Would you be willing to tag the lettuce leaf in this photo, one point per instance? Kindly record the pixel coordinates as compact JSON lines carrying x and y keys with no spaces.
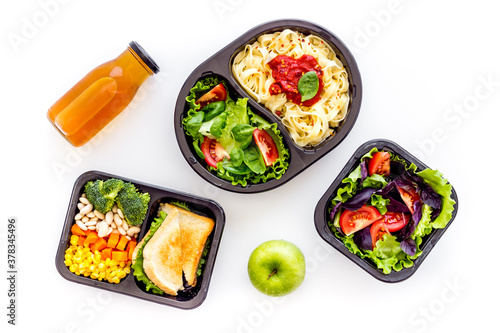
{"x":439,"y":184}
{"x":139,"y":260}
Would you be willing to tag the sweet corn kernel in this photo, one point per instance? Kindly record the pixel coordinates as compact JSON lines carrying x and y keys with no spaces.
{"x":68,"y":262}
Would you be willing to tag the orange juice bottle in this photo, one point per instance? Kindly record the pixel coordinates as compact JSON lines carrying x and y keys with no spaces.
{"x":101,"y":95}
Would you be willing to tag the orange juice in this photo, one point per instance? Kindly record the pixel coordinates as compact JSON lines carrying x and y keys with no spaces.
{"x":101,"y":95}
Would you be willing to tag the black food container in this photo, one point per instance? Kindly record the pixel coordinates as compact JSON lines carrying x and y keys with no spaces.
{"x":219,"y":65}
{"x":129,"y":285}
{"x":322,"y":214}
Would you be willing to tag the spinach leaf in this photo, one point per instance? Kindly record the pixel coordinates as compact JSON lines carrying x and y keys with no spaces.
{"x":253,"y":159}
{"x":236,"y":156}
{"x":242,"y":169}
{"x":197,"y":149}
{"x":243,"y":134}
{"x":194,"y":123}
{"x":218,"y":125}
{"x":308,"y":85}
{"x":214,"y":109}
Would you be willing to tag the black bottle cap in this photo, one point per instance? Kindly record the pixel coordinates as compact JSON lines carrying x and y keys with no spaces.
{"x":145,"y":57}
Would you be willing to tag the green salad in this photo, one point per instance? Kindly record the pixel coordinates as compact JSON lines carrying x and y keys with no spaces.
{"x":236,"y":144}
{"x":385,"y":208}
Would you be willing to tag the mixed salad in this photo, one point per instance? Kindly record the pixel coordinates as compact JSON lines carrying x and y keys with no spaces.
{"x":385,"y":208}
{"x":236,"y":143}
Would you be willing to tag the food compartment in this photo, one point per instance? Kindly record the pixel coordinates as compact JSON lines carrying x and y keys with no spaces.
{"x":189,"y":293}
{"x":324,"y":207}
{"x":305,"y":29}
{"x":192,"y":148}
{"x":128,"y":284}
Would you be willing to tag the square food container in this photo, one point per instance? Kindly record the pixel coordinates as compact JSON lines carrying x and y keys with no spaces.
{"x":219,"y":65}
{"x":322,"y":215}
{"x":129,"y":285}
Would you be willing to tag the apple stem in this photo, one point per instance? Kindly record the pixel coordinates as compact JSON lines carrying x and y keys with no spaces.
{"x":272,"y":273}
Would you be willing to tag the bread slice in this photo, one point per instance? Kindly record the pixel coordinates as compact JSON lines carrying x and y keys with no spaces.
{"x":163,"y":255}
{"x":195,"y":230}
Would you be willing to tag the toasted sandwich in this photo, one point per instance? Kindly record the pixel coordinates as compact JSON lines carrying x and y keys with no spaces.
{"x":195,"y":230}
{"x":174,"y":249}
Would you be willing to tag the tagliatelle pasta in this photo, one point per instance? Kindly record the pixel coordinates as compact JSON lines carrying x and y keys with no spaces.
{"x":308,"y":126}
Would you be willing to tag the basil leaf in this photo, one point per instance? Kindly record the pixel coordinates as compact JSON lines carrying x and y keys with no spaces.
{"x":308,"y":85}
{"x":243,"y":134}
{"x":194,"y":123}
{"x":214,"y":109}
{"x":253,"y":159}
{"x":219,"y":123}
{"x":236,"y":156}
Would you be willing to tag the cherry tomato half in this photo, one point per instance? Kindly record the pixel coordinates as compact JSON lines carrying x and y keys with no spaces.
{"x":409,"y":197}
{"x":395,"y":221}
{"x":218,"y":93}
{"x":380,"y":164}
{"x":213,"y":151}
{"x":266,"y":146}
{"x":378,"y":230}
{"x":350,"y":222}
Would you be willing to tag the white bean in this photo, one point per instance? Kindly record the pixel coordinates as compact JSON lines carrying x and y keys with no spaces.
{"x":83,"y":195}
{"x":90,"y":215}
{"x":87,"y":209}
{"x":89,"y":223}
{"x":117,"y":220}
{"x":109,"y":217}
{"x":95,"y":218}
{"x":78,"y":216}
{"x":128,"y":237}
{"x":84,"y":201}
{"x":121,"y":231}
{"x":80,"y":205}
{"x":133,"y":230}
{"x":120,"y":213}
{"x":85,"y":219}
{"x":115,"y":209}
{"x":81,"y":225}
{"x":92,"y":227}
{"x":103,"y":229}
{"x":98,"y":214}
{"x":125,"y":225}
{"x":110,"y":230}
{"x":113,"y":225}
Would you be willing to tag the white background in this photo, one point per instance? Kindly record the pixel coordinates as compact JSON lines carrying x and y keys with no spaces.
{"x":421,"y":62}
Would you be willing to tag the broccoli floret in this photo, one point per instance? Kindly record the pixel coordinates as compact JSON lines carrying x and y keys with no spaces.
{"x":133,"y":204}
{"x":102,"y":194}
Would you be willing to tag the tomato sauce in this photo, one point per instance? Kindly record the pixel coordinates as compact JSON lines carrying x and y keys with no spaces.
{"x":287,"y":72}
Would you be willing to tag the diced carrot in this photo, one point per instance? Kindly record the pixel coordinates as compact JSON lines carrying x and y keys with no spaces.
{"x":130,"y":248}
{"x":119,"y":255}
{"x":76,"y":230}
{"x":122,"y":243}
{"x":92,"y":237}
{"x":113,"y":240}
{"x":106,"y":253}
{"x":81,"y":241}
{"x":99,"y":245}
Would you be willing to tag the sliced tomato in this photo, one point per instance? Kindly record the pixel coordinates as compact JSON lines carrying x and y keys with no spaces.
{"x":213,"y":151}
{"x":266,"y":146}
{"x":218,"y":93}
{"x":350,"y":222}
{"x":380,"y":164}
{"x":378,"y":230}
{"x":395,"y":221}
{"x":409,"y":197}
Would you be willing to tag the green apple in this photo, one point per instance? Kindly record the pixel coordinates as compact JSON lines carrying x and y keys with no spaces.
{"x":276,"y":267}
